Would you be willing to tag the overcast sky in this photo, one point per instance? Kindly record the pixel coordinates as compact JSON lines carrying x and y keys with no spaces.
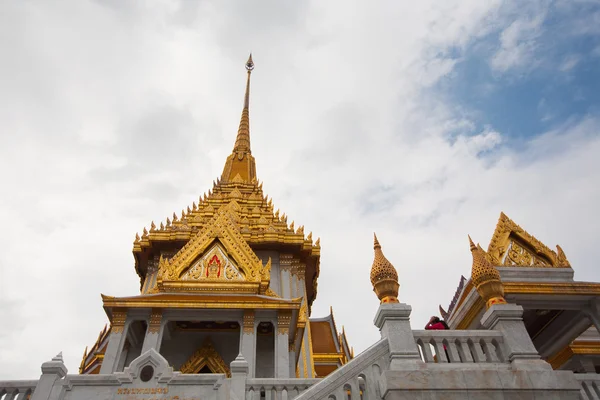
{"x":419,"y":120}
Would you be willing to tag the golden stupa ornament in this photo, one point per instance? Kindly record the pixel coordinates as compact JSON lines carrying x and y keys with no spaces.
{"x":486,"y":278}
{"x":384,"y":277}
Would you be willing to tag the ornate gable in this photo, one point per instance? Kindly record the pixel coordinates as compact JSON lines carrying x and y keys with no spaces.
{"x":206,"y":356}
{"x":216,"y":256}
{"x":511,"y":245}
{"x":214,"y":265}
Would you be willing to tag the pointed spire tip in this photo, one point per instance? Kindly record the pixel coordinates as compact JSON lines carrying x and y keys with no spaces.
{"x":376,"y":244}
{"x":471,"y":244}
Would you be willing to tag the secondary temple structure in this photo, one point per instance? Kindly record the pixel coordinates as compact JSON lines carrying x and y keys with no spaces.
{"x":226,"y":290}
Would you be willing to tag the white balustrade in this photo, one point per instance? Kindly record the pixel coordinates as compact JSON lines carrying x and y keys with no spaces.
{"x":276,"y":389}
{"x":590,"y":386}
{"x":17,"y":390}
{"x":449,"y":346}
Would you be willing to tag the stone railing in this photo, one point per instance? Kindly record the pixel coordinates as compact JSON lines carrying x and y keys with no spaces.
{"x":276,"y":389}
{"x":476,"y":346}
{"x":17,"y":390}
{"x":590,"y":386}
{"x":359,"y":378}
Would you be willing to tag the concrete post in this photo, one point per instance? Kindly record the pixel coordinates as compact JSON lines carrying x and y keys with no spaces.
{"x":239,"y":373}
{"x":52,"y":371}
{"x":393,"y":321}
{"x":519,"y":349}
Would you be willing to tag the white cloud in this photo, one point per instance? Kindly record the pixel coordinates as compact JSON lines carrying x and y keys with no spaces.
{"x":117,"y":115}
{"x":569,"y":62}
{"x":518,"y":44}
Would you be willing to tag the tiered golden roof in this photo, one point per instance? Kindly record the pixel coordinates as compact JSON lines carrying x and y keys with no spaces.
{"x":384,"y":276}
{"x":237,"y":197}
{"x":485,"y":277}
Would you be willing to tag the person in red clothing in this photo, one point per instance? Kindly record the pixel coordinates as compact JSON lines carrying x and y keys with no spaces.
{"x":435,"y":323}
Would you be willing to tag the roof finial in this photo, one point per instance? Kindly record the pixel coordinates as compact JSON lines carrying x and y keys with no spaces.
{"x":241,"y":162}
{"x":242,"y":142}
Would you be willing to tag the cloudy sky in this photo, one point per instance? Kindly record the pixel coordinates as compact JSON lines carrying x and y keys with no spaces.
{"x":418,"y":120}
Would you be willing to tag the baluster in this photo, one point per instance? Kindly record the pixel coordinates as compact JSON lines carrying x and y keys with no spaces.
{"x":427,"y":355}
{"x":439,"y":351}
{"x":593,"y":389}
{"x":340,"y":394}
{"x":22,"y":395}
{"x":490,"y":351}
{"x":269,"y":392}
{"x":354,"y":389}
{"x":465,"y":351}
{"x":250,"y":393}
{"x":11,"y":394}
{"x":588,"y":392}
{"x":452,"y":351}
{"x":478,"y":355}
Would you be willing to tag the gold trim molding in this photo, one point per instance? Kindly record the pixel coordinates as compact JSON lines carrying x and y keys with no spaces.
{"x":248,"y":322}
{"x":155,"y":321}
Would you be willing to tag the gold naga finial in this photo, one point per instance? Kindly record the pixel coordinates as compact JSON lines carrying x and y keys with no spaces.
{"x":241,"y":162}
{"x":485,"y":277}
{"x":384,"y":276}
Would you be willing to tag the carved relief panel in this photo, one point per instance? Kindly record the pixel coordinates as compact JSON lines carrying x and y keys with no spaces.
{"x":213,"y":265}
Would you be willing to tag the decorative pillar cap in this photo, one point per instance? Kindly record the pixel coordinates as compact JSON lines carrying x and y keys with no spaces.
{"x":384,"y":276}
{"x":485,"y":277}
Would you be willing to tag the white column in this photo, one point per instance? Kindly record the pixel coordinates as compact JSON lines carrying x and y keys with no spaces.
{"x":154,"y":331}
{"x":116,"y":341}
{"x":248,"y":341}
{"x":282,"y":355}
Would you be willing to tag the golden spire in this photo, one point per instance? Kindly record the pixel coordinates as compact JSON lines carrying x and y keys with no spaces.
{"x":486,"y":278}
{"x":384,"y":277}
{"x":241,"y":162}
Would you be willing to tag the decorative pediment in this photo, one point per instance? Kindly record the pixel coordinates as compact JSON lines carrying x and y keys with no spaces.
{"x":217,"y":253}
{"x":511,"y":245}
{"x":207,"y":356}
{"x":214,"y":265}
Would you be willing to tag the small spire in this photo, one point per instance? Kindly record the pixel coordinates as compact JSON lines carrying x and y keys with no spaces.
{"x":242,"y":142}
{"x":58,"y":357}
{"x":241,"y":162}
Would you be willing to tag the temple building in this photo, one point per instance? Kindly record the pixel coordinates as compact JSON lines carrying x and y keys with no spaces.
{"x":558,"y":311}
{"x":229,"y":275}
{"x":224,"y":313}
